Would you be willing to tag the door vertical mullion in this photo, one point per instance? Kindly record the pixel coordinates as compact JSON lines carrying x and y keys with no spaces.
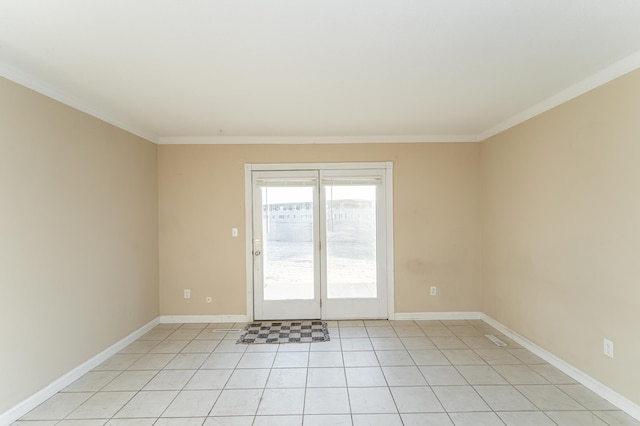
{"x":318,"y":238}
{"x":322,"y":242}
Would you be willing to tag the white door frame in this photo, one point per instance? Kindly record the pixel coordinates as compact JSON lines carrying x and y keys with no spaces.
{"x":248,"y":189}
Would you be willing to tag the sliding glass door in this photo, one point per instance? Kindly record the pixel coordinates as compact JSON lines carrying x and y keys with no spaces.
{"x":319,"y":244}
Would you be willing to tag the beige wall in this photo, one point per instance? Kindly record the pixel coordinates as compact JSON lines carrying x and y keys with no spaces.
{"x":561,"y":231}
{"x":78,"y":245}
{"x":436,"y":222}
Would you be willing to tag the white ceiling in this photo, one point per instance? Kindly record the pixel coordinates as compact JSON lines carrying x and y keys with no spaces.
{"x":176,"y":71}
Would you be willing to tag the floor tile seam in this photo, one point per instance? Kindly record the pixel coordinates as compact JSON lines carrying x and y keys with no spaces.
{"x":440,"y":402}
{"x":116,"y":412}
{"x":521,"y":384}
{"x":574,"y":399}
{"x":344,"y":367}
{"x":517,"y":390}
{"x":198,"y":352}
{"x":550,"y":384}
{"x":387,"y":387}
{"x":138,"y":340}
{"x":470,"y":384}
{"x":147,"y":369}
{"x":349,"y":402}
{"x":477,"y":349}
{"x":212,"y":405}
{"x":99,"y":390}
{"x":183,"y":386}
{"x":398,"y":408}
{"x":114,"y":417}
{"x":416,"y":362}
{"x":454,"y":367}
{"x":451,"y":361}
{"x":304,"y":397}
{"x":482,"y":398}
{"x":270,"y":371}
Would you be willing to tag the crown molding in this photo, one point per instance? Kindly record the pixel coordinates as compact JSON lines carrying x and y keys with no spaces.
{"x":618,"y":69}
{"x":27,"y":80}
{"x":311,"y":140}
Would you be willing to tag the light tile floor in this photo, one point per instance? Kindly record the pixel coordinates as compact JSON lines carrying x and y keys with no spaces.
{"x":370,"y":373}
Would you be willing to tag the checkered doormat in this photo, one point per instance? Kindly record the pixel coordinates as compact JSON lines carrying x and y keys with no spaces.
{"x":285,"y":332}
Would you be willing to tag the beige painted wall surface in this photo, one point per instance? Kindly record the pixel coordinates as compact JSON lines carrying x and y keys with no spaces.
{"x":78,"y":245}
{"x":436,"y":221}
{"x":561,"y":231}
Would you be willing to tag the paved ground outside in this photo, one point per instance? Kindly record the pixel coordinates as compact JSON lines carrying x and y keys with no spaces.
{"x":288,"y":270}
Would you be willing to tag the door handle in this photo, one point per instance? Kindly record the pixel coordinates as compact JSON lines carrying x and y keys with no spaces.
{"x":256,"y":253}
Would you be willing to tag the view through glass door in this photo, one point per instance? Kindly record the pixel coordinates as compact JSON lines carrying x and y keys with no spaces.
{"x":319,"y":244}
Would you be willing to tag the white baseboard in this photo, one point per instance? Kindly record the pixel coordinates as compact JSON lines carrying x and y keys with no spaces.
{"x":432,"y":316}
{"x":604,"y":391}
{"x":194,"y":319}
{"x":65,"y":380}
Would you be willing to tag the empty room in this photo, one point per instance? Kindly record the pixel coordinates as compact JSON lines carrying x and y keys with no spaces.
{"x":319,"y":213}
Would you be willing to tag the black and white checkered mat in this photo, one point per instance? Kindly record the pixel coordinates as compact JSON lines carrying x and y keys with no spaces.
{"x":285,"y":332}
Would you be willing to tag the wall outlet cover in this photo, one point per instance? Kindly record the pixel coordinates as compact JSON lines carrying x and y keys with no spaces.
{"x":608,"y":347}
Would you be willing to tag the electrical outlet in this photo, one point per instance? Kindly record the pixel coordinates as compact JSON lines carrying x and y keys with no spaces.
{"x":209,"y":299}
{"x":434,"y":290}
{"x":187,"y":293}
{"x":234,"y":232}
{"x":608,"y":348}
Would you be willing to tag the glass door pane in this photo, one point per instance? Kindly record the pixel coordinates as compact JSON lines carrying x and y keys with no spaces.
{"x":287,"y":229}
{"x":286,"y":259}
{"x":354,"y":243}
{"x":351,"y":241}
